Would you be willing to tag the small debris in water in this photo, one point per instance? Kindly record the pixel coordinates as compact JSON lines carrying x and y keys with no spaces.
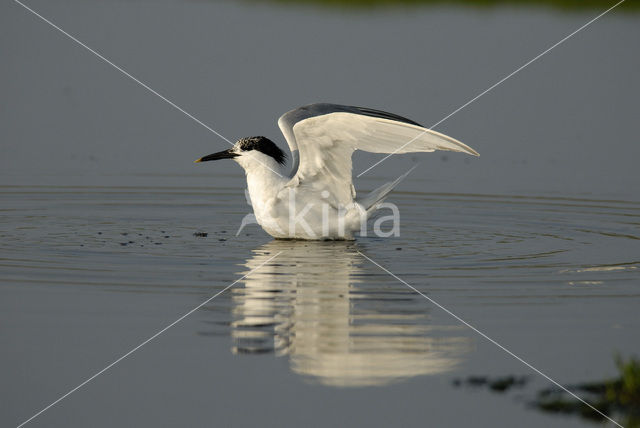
{"x":99,"y":233}
{"x":200,"y":234}
{"x":124,"y":234}
{"x":499,"y":384}
{"x":399,"y":248}
{"x":221,"y":239}
{"x":166,"y":236}
{"x":158,"y":243}
{"x":123,"y":243}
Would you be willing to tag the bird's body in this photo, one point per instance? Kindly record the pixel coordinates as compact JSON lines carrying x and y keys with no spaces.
{"x":289,"y":211}
{"x":316,"y":199}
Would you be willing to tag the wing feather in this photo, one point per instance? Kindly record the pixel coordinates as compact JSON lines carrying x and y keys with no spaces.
{"x":322,"y":138}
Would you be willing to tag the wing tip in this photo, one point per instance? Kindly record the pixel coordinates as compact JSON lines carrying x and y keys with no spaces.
{"x":463,"y":147}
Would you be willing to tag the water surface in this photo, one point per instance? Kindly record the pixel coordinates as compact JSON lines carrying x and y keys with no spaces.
{"x":88,"y":273}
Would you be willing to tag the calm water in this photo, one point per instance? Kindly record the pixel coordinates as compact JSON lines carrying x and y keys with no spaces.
{"x":536,"y":243}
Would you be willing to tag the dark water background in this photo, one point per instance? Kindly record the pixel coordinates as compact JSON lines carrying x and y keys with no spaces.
{"x":536,"y":242}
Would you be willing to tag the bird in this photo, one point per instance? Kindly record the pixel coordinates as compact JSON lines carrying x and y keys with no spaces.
{"x":316,"y":199}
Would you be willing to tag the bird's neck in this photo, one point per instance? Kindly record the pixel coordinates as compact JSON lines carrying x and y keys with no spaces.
{"x":265,"y":180}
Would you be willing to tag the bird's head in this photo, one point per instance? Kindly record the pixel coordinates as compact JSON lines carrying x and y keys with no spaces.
{"x":250,"y":152}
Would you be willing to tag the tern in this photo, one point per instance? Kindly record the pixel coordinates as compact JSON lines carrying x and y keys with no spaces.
{"x":316,"y":199}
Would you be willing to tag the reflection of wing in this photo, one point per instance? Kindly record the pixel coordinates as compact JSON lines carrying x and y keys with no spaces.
{"x":312,"y":306}
{"x":322,"y":138}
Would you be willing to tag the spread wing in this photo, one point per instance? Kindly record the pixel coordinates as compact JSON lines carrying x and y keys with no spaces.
{"x":322,"y":138}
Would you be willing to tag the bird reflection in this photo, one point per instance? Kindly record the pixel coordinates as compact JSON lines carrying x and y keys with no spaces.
{"x":338,"y":324}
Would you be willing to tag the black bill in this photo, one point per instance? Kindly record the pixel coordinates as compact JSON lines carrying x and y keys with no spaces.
{"x":225,"y":154}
